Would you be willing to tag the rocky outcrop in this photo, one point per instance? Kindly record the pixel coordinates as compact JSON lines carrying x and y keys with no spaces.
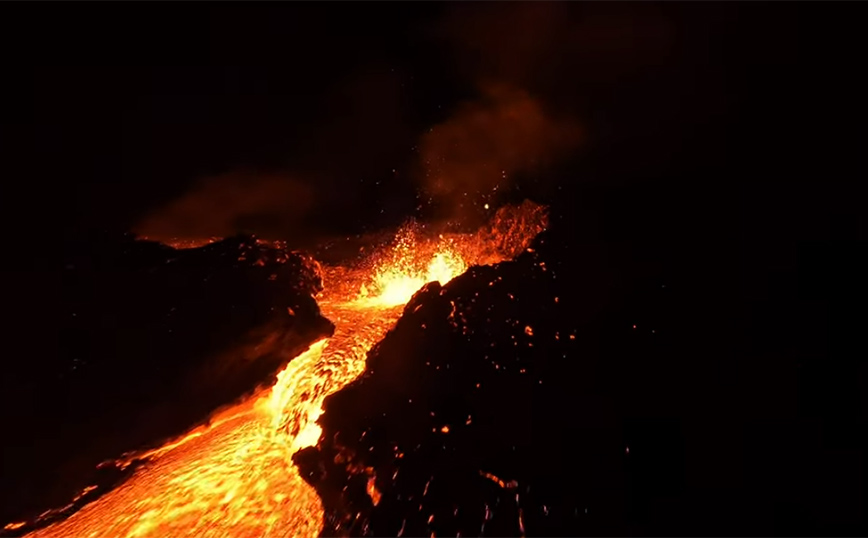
{"x":462,"y":423}
{"x":153,"y":340}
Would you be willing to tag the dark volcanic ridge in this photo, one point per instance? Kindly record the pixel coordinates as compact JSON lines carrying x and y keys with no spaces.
{"x":454,"y":428}
{"x":536,"y":398}
{"x":153,"y":341}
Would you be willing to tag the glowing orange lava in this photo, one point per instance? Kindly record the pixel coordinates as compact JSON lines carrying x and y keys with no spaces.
{"x":405,"y":270}
{"x":235,"y":478}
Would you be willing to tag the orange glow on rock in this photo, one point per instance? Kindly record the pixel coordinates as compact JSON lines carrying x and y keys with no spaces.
{"x":235,"y":477}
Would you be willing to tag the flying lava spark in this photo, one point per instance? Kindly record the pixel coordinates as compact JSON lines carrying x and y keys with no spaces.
{"x":235,"y":477}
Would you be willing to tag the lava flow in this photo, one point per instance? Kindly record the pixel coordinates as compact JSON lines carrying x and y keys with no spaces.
{"x":235,"y":477}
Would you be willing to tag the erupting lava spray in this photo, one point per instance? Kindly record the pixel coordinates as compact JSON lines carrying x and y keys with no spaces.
{"x":235,"y":478}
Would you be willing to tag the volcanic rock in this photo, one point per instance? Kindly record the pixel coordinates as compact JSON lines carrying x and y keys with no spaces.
{"x":588,"y":391}
{"x":459,"y":424}
{"x":153,"y":341}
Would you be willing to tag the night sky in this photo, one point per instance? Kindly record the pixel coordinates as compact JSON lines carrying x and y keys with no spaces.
{"x":719,"y":106}
{"x":717,"y":147}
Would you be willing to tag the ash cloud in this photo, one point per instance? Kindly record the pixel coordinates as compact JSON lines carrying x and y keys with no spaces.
{"x":486,"y":142}
{"x":231,"y":203}
{"x":540,"y":71}
{"x":549,"y":76}
{"x":323,"y":166}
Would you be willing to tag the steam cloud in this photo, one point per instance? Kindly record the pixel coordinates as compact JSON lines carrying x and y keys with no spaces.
{"x":529,"y":64}
{"x":552,"y":63}
{"x":225,"y":205}
{"x":485,"y":142}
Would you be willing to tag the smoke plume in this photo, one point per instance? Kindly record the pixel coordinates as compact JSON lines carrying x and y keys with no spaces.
{"x":486,"y":142}
{"x":232,"y":203}
{"x":543,"y":69}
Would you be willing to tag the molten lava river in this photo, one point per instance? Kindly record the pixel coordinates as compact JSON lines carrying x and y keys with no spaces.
{"x":235,"y":477}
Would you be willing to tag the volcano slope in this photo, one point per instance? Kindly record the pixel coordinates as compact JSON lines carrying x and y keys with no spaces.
{"x":542,"y":396}
{"x":473,"y":418}
{"x":153,"y":341}
{"x":588,"y":390}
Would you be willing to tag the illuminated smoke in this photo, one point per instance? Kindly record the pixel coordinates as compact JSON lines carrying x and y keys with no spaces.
{"x":478,"y":150}
{"x":548,"y":73}
{"x":232,"y":203}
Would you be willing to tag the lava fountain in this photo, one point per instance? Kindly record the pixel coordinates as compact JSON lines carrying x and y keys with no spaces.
{"x":235,"y":477}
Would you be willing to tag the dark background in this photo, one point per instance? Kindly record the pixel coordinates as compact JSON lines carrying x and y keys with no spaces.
{"x":751,"y":109}
{"x":721,"y":155}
